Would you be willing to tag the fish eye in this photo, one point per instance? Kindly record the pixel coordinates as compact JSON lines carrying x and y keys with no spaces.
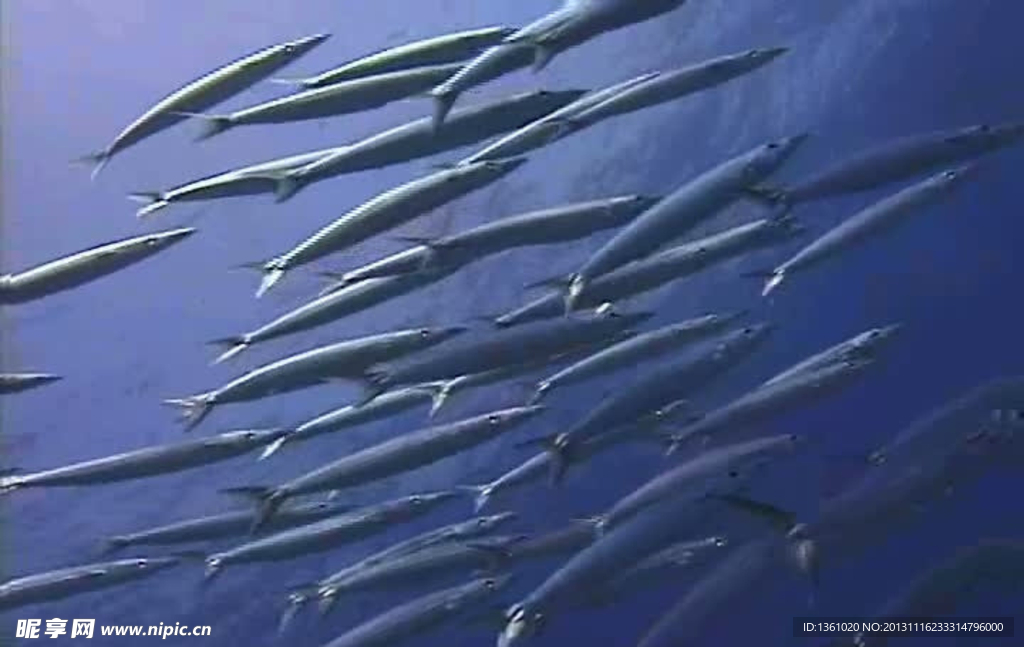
{"x":416,"y":500}
{"x":748,"y":331}
{"x":494,"y":419}
{"x":702,"y":250}
{"x":425,"y":332}
{"x":142,"y":563}
{"x":949,"y":175}
{"x":490,"y":583}
{"x":720,"y":542}
{"x":734,"y":474}
{"x":772,"y":146}
{"x":873,"y":334}
{"x":983,"y":128}
{"x":321,"y":506}
{"x":290,"y":47}
{"x":481,"y":522}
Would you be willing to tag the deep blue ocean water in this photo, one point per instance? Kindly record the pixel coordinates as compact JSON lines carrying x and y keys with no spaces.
{"x":859,"y":72}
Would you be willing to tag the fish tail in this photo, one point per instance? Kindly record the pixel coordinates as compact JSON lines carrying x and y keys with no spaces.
{"x":541,"y":392}
{"x":326,"y":602}
{"x":577,"y":284}
{"x":152,"y":201}
{"x":481,"y":494}
{"x":444,"y":100}
{"x":234,"y":345}
{"x":770,"y":196}
{"x":194,"y":408}
{"x":272,"y":448}
{"x":210,"y":125}
{"x":267,"y":501}
{"x":375,"y":382}
{"x":598,"y":522}
{"x":271,"y":277}
{"x":286,"y":186}
{"x":7,"y":471}
{"x":98,"y":161}
{"x":9,"y":484}
{"x":213,"y":568}
{"x":296,"y":600}
{"x":440,"y":393}
{"x":557,"y":449}
{"x":773,"y":282}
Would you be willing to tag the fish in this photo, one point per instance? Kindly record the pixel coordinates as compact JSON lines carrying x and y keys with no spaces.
{"x":222,"y":526}
{"x":656,"y":568}
{"x":438,"y":50}
{"x":417,"y":139}
{"x":543,"y":227}
{"x":870,"y":222}
{"x":863,"y":346}
{"x":18,"y":382}
{"x":722,"y":469}
{"x":663,"y":86}
{"x":647,"y":533}
{"x":145,"y":462}
{"x":766,"y":401}
{"x":341,"y":98}
{"x":687,"y":207}
{"x":538,"y":465}
{"x":935,"y":593}
{"x":453,"y":534}
{"x":496,"y":349}
{"x":898,"y":160}
{"x":353,"y":415}
{"x":397,"y":455}
{"x":653,"y":391}
{"x":647,"y":274}
{"x":742,"y":567}
{"x":333,"y":306}
{"x":316,"y":366}
{"x":85,"y":266}
{"x":420,"y":615}
{"x":329,"y":533}
{"x":572,"y":23}
{"x":548,"y":128}
{"x":66,"y":582}
{"x":440,"y":562}
{"x":386,"y":211}
{"x":645,"y":346}
{"x":206,"y":91}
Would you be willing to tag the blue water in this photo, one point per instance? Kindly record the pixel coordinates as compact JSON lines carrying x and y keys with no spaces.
{"x":858,"y":73}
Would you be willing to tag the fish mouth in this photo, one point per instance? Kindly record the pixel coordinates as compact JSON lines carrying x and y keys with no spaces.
{"x":771,"y":53}
{"x":173,"y":235}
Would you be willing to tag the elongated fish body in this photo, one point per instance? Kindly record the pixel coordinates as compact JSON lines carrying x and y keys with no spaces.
{"x":423,"y":614}
{"x":661,"y":87}
{"x":548,"y":128}
{"x":18,"y":382}
{"x":437,"y":563}
{"x":209,"y":90}
{"x":771,"y":400}
{"x":63,"y":583}
{"x":149,"y":461}
{"x":398,"y":455}
{"x":636,"y":349}
{"x":862,"y":346}
{"x":645,"y":534}
{"x":345,"y":97}
{"x":353,"y":415}
{"x":664,"y":267}
{"x":500,"y":348}
{"x":249,"y":180}
{"x":868,"y":223}
{"x":719,"y":470}
{"x":453,"y":534}
{"x":570,"y":25}
{"x":656,"y":390}
{"x":386,"y":211}
{"x":902,"y":159}
{"x":309,"y":368}
{"x":439,"y":50}
{"x":328,"y":533}
{"x":223,"y":526}
{"x":740,"y":569}
{"x":683,"y":210}
{"x":656,"y":568}
{"x":566,"y":540}
{"x":417,"y":139}
{"x":545,"y":227}
{"x":936,"y":593}
{"x":85,"y":266}
{"x":537,"y":466}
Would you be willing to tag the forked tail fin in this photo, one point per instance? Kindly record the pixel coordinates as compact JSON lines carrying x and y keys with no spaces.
{"x":234,"y":345}
{"x":194,"y":408}
{"x":443,"y":103}
{"x":481,"y":494}
{"x":267,"y":501}
{"x":97,"y":161}
{"x":210,"y":125}
{"x":152,"y":201}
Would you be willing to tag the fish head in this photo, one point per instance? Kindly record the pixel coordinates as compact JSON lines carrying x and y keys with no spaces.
{"x":249,"y":437}
{"x":984,"y":137}
{"x":164,"y":239}
{"x":486,"y":524}
{"x":870,"y":341}
{"x":520,"y":623}
{"x":635,"y":204}
{"x":765,"y":159}
{"x":420,"y":503}
{"x":757,"y":57}
{"x":513,"y":416}
{"x":950,"y":178}
{"x":300,"y":46}
{"x":494,"y":169}
{"x":747,"y":337}
{"x":624,"y":320}
{"x":433,"y":336}
{"x":551,"y":100}
{"x":152,"y":564}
